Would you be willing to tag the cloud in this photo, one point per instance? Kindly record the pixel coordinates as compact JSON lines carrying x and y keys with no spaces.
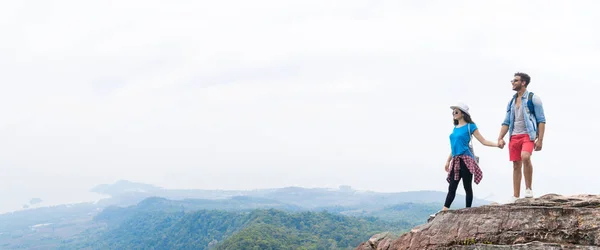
{"x":236,"y":94}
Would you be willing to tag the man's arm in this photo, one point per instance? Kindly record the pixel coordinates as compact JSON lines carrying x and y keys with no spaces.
{"x":504,"y":128}
{"x":503,"y":131}
{"x":540,"y":139}
{"x":541,"y":130}
{"x":540,"y":118}
{"x":538,"y":106}
{"x":505,"y":123}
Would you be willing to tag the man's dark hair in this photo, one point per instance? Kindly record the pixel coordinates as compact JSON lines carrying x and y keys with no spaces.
{"x":524,"y":77}
{"x":467,"y":118}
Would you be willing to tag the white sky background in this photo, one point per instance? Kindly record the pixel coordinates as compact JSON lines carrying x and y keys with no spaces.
{"x":258,"y":94}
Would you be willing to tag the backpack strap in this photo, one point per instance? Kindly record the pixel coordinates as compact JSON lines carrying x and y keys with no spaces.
{"x":530,"y":103}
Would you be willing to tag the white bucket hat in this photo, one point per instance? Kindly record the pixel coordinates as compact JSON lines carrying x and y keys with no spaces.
{"x":463,"y":107}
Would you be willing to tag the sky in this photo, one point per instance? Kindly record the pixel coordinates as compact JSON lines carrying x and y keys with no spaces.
{"x":271,"y":93}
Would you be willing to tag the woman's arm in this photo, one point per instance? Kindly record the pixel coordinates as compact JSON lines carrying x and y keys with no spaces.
{"x":483,"y":140}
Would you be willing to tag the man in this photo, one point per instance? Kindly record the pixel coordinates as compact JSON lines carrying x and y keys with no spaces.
{"x":526,"y":132}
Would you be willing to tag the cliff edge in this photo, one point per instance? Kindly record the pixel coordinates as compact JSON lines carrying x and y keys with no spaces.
{"x":549,"y":222}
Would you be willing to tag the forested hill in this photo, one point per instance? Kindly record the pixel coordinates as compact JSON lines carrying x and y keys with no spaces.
{"x":257,"y":229}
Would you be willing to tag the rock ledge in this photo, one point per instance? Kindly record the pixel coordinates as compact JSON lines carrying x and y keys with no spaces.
{"x":551,"y":221}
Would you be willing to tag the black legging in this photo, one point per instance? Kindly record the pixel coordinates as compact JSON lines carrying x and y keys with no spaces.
{"x":467,"y":177}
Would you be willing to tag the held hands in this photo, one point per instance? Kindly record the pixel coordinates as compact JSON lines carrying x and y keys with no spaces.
{"x":501,"y":143}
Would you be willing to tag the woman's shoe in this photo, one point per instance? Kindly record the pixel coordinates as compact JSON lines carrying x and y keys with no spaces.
{"x":433,"y":215}
{"x":442,"y":210}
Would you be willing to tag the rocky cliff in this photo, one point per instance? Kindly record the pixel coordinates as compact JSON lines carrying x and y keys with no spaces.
{"x":548,"y":222}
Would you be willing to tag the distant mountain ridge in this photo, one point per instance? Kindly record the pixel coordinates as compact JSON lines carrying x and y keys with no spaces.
{"x":310,"y":198}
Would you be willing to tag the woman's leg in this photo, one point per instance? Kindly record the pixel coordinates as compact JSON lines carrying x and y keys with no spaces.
{"x":451,"y":190}
{"x":467,"y":177}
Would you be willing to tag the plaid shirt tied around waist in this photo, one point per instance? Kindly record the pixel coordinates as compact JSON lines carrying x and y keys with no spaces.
{"x":471,"y":165}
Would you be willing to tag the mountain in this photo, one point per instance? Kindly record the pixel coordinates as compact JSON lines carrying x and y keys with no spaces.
{"x":124,"y":186}
{"x":49,"y":226}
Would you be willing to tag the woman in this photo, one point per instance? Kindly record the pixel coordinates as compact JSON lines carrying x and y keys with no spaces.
{"x":461,"y":163}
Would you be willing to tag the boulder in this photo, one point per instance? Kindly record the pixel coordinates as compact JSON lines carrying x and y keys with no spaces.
{"x":551,"y":221}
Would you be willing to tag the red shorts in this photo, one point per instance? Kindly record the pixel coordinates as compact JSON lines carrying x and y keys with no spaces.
{"x":519,"y":143}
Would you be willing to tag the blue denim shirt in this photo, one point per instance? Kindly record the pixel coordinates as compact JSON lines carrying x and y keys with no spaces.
{"x":531,"y":121}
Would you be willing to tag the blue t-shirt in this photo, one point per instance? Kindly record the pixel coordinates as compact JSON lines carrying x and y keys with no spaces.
{"x":459,"y":139}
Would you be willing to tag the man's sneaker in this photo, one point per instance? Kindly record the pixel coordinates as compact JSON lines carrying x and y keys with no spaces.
{"x":528,"y":193}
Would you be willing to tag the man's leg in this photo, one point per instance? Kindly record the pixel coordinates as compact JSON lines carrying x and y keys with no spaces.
{"x":515,"y":147}
{"x":527,"y":168}
{"x":526,"y":152}
{"x":517,"y":178}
